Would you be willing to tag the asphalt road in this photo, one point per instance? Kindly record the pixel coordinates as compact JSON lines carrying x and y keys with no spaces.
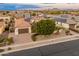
{"x":70,"y":48}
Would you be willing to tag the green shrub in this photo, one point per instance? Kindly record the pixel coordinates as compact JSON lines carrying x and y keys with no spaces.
{"x":10,"y":40}
{"x":33,"y":27}
{"x":67,"y":31}
{"x":9,"y":48}
{"x":34,"y":37}
{"x":33,"y":14}
{"x":44,"y":27}
{"x":7,"y":28}
{"x":2,"y":38}
{"x":5,"y":40}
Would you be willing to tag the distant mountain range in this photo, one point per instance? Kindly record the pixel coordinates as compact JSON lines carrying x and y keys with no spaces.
{"x":17,"y":6}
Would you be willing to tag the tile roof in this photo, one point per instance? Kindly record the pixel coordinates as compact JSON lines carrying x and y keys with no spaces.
{"x":71,"y":22}
{"x":21,"y":23}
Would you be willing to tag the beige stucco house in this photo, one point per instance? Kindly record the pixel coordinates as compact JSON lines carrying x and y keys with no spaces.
{"x":37,"y":18}
{"x":2,"y":27}
{"x":73,"y":22}
{"x":22,"y":26}
{"x":4,"y":20}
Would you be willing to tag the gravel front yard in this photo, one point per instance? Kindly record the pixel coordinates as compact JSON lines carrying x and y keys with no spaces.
{"x":53,"y":36}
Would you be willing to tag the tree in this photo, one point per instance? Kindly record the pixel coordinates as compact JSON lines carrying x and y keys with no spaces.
{"x":44,"y":27}
{"x":33,"y":28}
{"x":4,"y":14}
{"x":7,"y":12}
{"x":33,"y":14}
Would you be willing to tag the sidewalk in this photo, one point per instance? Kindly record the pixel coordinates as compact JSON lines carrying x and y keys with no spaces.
{"x":19,"y":47}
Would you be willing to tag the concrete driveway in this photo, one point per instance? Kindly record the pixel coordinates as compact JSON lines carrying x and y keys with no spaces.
{"x":21,"y":38}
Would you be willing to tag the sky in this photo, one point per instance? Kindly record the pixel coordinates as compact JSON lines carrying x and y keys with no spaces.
{"x":61,"y":5}
{"x":39,"y":5}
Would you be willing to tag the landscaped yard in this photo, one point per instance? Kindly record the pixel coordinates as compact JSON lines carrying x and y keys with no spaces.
{"x":5,"y":41}
{"x":47,"y":29}
{"x":52,"y":36}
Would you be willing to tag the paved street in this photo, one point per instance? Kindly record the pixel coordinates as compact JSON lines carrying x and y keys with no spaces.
{"x":70,"y":48}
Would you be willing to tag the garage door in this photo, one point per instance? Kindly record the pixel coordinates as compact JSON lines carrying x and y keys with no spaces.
{"x":23,"y":31}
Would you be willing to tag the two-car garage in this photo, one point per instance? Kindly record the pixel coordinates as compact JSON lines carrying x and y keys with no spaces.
{"x":26,"y":30}
{"x":22,"y":26}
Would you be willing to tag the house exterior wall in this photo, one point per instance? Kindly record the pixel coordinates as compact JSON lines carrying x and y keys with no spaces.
{"x":2,"y":29}
{"x":4,"y":18}
{"x":63,"y":24}
{"x":16,"y":31}
{"x":25,"y":30}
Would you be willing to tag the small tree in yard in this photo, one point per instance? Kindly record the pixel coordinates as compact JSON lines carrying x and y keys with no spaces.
{"x":33,"y":28}
{"x":44,"y":27}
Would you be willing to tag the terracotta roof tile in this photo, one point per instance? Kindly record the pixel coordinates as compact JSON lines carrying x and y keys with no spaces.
{"x":21,"y":23}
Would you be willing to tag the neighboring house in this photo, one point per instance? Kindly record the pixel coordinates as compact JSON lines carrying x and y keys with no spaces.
{"x":73,"y":22}
{"x":22,"y":26}
{"x":2,"y":27}
{"x":60,"y":20}
{"x":5,"y":19}
{"x":37,"y":18}
{"x":27,"y":17}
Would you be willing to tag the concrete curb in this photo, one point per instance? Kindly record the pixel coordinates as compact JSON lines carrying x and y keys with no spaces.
{"x":39,"y":43}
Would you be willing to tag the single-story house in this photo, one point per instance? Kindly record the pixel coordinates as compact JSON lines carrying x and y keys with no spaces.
{"x":73,"y":22}
{"x":5,"y":19}
{"x":37,"y":18}
{"x":2,"y":27}
{"x":22,"y":26}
